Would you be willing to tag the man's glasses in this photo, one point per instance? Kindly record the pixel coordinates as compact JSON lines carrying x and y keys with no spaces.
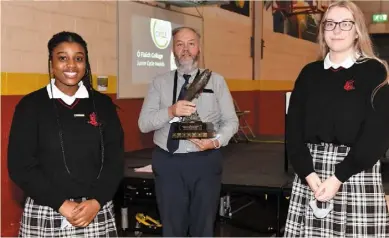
{"x":344,"y":25}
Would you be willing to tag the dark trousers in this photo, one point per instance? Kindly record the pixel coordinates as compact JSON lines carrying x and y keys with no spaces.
{"x":188,"y":190}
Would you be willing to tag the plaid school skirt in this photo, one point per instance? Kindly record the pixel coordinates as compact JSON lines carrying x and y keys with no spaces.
{"x":360,"y":208}
{"x":43,"y":221}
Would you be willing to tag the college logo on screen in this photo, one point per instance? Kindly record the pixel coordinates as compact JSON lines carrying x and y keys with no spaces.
{"x":161,"y":33}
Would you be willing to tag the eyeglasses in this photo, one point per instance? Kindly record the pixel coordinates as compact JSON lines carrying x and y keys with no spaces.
{"x":344,"y":25}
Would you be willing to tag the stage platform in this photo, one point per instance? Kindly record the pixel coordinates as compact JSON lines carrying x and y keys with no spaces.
{"x":245,"y":164}
{"x":249,"y":169}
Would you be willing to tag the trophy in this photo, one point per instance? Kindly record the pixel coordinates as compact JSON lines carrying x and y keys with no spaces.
{"x":191,"y":127}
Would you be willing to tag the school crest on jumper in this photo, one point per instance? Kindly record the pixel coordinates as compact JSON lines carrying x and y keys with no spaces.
{"x":349,"y":85}
{"x":93,"y":119}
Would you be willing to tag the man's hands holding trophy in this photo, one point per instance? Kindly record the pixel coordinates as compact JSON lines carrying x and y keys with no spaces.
{"x":182,"y":108}
{"x":190,"y":126}
{"x":205,"y":144}
{"x":187,"y":108}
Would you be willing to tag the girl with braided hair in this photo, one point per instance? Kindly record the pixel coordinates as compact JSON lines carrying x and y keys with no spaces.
{"x":66,"y":149}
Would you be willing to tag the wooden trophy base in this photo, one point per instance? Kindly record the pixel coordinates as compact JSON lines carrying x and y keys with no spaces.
{"x":193,"y":130}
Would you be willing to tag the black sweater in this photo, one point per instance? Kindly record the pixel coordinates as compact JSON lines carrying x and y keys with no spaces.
{"x":35,"y":160}
{"x":334,"y":106}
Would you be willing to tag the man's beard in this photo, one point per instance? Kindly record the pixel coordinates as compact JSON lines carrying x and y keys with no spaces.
{"x":188,"y":65}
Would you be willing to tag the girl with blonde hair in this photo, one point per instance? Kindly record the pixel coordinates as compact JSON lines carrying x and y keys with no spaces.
{"x":337,"y":131}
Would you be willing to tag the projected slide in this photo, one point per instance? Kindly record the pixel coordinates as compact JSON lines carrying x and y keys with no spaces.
{"x":151,"y":47}
{"x":145,"y":44}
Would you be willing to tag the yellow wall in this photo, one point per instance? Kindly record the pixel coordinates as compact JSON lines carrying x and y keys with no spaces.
{"x":27,"y":26}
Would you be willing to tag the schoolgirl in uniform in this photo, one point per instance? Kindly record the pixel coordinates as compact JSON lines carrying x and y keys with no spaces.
{"x":337,"y":130}
{"x":66,"y":149}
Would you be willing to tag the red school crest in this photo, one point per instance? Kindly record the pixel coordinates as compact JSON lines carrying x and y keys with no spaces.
{"x":93,"y":119}
{"x":349,"y":85}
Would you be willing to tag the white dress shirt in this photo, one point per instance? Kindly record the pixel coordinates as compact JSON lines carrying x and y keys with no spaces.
{"x":347,"y":63}
{"x":82,"y":92}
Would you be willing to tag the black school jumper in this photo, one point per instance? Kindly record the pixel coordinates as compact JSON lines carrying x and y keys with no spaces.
{"x":333,"y":129}
{"x":36,"y":162}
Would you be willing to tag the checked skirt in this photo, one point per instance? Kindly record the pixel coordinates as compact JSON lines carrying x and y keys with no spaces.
{"x":360,"y":208}
{"x":43,"y":221}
